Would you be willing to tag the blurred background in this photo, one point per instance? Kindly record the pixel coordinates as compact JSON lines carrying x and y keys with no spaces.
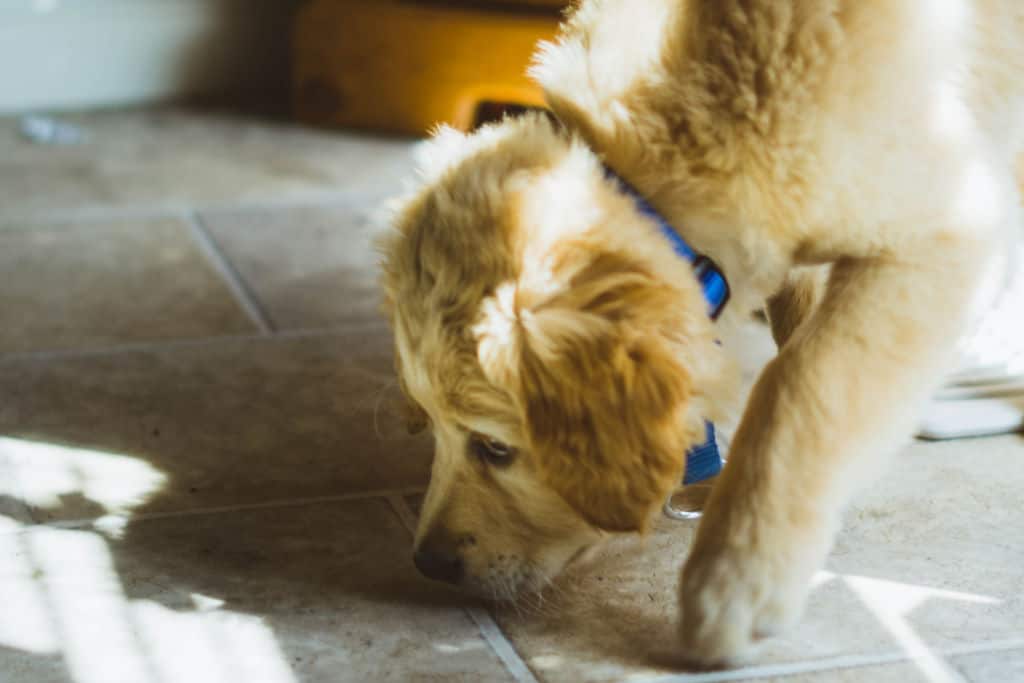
{"x":379,"y":64}
{"x":60,"y":54}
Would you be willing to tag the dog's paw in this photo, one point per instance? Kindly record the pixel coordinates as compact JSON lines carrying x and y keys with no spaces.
{"x":727,"y":605}
{"x":734,"y":594}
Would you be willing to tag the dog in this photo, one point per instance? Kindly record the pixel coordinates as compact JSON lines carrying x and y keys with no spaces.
{"x":847,"y":165}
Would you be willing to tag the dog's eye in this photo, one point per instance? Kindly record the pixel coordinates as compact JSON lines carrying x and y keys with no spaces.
{"x":491,"y":450}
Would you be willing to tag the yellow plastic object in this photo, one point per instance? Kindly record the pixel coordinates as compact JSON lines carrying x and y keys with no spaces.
{"x":405,"y":66}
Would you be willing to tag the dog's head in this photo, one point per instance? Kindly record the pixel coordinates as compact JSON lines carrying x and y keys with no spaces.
{"x":550,"y":340}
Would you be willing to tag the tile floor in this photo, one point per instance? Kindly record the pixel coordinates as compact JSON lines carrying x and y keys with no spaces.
{"x":202,"y":478}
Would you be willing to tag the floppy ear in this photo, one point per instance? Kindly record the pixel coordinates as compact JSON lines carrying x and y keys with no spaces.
{"x":602,"y":390}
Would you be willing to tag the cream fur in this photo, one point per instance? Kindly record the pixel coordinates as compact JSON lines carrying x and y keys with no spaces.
{"x":849,"y":162}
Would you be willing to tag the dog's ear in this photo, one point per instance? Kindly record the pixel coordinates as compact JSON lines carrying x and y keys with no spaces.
{"x":602,"y":390}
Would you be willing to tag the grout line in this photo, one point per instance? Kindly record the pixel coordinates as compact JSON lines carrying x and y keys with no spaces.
{"x":780,"y":670}
{"x":244,"y":507}
{"x":832,"y":664}
{"x":350,"y":200}
{"x":518,"y":668}
{"x":98,"y":213}
{"x":981,"y":648}
{"x":94,"y":214}
{"x":405,"y":515}
{"x":301,"y":333}
{"x":501,"y":645}
{"x":243,"y":294}
{"x":485,"y":623}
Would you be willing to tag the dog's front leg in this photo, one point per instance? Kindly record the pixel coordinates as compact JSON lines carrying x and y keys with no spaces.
{"x":843,"y":391}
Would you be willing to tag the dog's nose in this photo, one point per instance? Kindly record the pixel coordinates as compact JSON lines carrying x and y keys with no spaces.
{"x":439,"y":565}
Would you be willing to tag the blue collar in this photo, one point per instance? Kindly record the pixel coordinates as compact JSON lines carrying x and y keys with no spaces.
{"x":703,"y":461}
{"x":710,"y":276}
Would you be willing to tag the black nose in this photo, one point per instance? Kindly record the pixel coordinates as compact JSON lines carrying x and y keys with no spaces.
{"x":438,"y":565}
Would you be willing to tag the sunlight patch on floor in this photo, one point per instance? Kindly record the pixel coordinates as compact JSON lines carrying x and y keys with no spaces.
{"x":891,"y":602}
{"x":62,"y":594}
{"x":41,"y":474}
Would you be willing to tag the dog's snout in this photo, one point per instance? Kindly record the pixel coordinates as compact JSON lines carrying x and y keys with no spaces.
{"x":438,"y":563}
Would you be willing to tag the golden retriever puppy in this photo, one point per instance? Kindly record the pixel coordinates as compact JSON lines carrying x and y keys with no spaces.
{"x":848,"y":162}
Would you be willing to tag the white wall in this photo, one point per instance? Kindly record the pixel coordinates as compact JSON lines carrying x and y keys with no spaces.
{"x":58,"y":54}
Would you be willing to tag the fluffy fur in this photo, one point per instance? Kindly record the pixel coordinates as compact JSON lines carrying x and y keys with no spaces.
{"x":850,"y":163}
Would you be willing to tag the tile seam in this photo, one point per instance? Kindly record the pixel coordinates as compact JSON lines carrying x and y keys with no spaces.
{"x":835,"y":664}
{"x":401,"y":509}
{"x":489,"y":630}
{"x":1000,"y":645}
{"x":223,"y":509}
{"x":779,"y":670}
{"x":187,"y":343}
{"x":98,"y":212}
{"x":243,"y":294}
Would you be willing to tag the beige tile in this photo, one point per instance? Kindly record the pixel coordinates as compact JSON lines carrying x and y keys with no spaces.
{"x":214,"y":424}
{"x":95,"y":284}
{"x":18,"y":667}
{"x":925,"y":562}
{"x":1004,"y":666}
{"x":176,"y":156}
{"x":927,"y":558}
{"x":936,"y":542}
{"x":13,"y":511}
{"x":615,"y":619}
{"x":883,"y":673}
{"x":415,"y":503}
{"x":308,"y":267}
{"x":310,"y":594}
